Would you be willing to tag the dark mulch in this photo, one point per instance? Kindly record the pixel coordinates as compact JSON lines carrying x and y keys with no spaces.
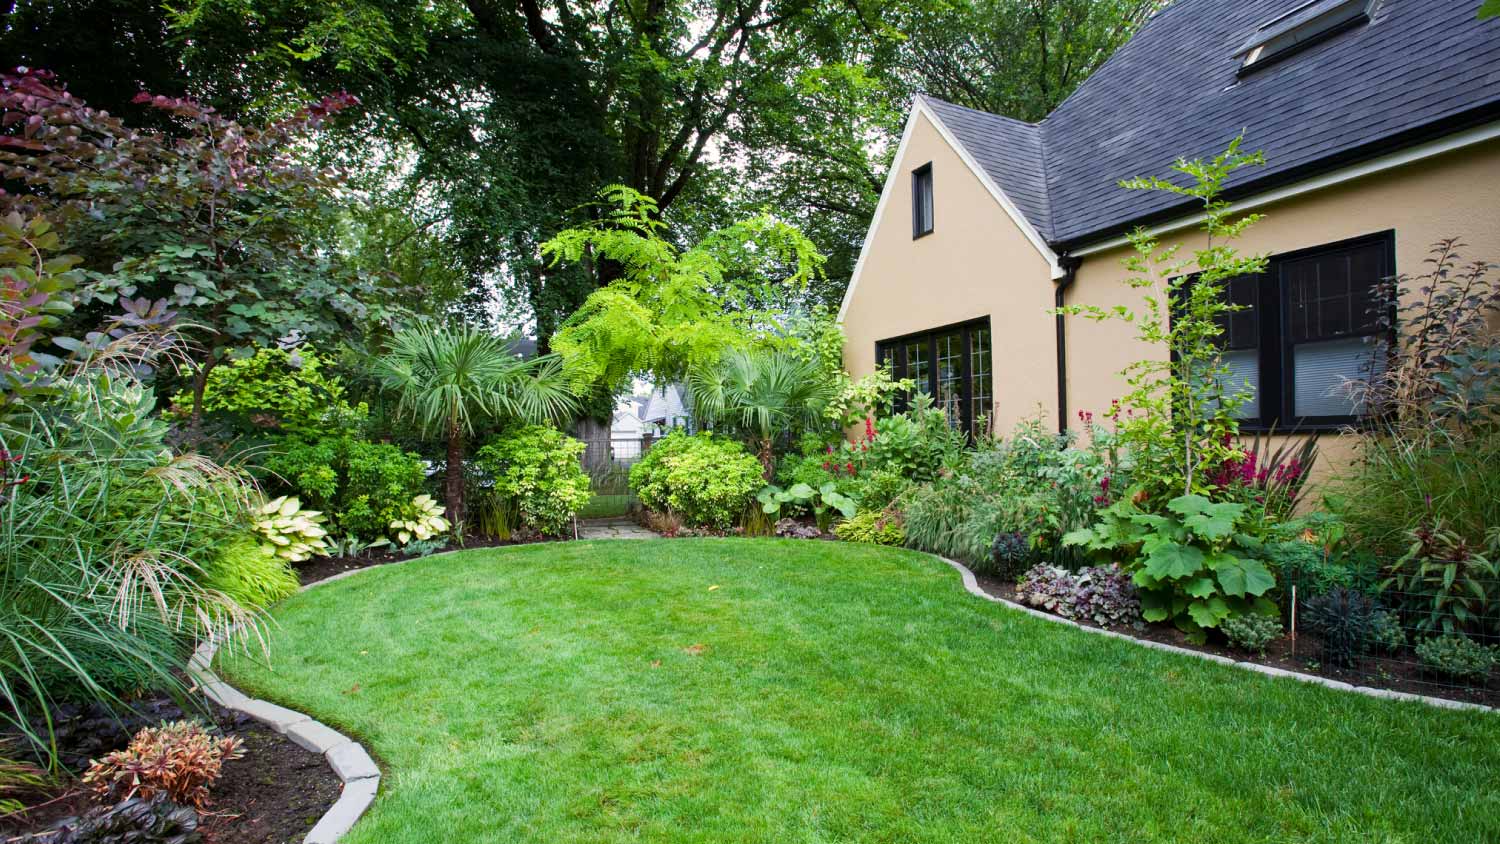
{"x":273,"y":795}
{"x":322,"y":568}
{"x":1400,"y":672}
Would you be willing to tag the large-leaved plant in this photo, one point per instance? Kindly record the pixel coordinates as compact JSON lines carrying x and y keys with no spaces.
{"x":1193,"y":564}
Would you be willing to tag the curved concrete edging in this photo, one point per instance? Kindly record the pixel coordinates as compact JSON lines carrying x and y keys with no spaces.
{"x":971,"y":584}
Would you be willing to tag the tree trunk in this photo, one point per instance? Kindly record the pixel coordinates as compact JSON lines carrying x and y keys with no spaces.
{"x":200,"y":386}
{"x":767,"y":458}
{"x":453,"y":485}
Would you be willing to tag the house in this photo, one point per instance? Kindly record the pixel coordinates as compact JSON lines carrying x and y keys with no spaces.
{"x":626,"y":423}
{"x":665,"y":409}
{"x":1380,"y":124}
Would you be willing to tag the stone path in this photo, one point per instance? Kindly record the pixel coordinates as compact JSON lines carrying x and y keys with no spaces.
{"x":617,"y":528}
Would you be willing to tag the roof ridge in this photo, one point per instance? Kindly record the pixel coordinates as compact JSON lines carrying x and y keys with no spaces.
{"x":984,"y":112}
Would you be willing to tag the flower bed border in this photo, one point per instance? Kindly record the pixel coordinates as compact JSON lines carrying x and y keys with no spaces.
{"x":971,"y":584}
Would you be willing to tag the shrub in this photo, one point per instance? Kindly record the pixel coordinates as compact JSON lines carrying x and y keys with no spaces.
{"x":1446,"y":584}
{"x":1308,"y":566}
{"x":251,"y":573}
{"x":133,"y":821}
{"x":1457,"y":656}
{"x":1251,"y":632}
{"x":536,"y":469}
{"x":179,"y":760}
{"x":1345,"y":618}
{"x":1386,"y":633}
{"x":706,"y":479}
{"x":362,"y":487}
{"x":916,"y":444}
{"x":881,"y":528}
{"x":877,"y":489}
{"x":1009,"y":553}
{"x":1103,"y":594}
{"x":425,"y":520}
{"x":290,"y":532}
{"x":284,"y":390}
{"x":1192,"y":563}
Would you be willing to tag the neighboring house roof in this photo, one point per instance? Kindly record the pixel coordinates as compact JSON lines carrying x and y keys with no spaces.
{"x":523,"y":347}
{"x":1416,"y":71}
{"x":665,"y":406}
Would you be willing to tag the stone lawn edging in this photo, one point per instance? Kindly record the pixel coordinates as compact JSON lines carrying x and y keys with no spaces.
{"x":971,"y":584}
{"x":348,"y":758}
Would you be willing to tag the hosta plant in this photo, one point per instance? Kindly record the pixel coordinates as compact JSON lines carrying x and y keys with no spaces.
{"x":823,"y":501}
{"x":180,"y":760}
{"x":423,"y":521}
{"x":293,"y":533}
{"x":1192,"y":563}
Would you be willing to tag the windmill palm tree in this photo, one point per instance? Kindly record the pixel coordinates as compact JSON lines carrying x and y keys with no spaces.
{"x":759,"y":394}
{"x":451,"y":380}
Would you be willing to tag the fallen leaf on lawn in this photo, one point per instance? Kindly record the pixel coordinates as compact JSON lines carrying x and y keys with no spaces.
{"x":352,"y":690}
{"x":712,"y":588}
{"x":695,"y":649}
{"x":655,"y":663}
{"x":364,"y":653}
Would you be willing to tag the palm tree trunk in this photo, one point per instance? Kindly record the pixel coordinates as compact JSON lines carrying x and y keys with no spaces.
{"x":454,"y":479}
{"x":767,"y":458}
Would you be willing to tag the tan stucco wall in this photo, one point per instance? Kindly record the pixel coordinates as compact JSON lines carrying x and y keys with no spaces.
{"x":975,"y":263}
{"x":1453,"y":195}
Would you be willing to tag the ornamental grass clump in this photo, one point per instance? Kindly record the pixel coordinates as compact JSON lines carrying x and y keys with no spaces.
{"x":180,"y":760}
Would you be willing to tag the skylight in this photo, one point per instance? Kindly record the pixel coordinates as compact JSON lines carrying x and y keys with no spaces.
{"x":1300,"y":27}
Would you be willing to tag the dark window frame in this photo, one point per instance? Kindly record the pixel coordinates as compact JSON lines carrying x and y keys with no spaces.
{"x":894,"y":350}
{"x":1277,"y":386}
{"x":920,"y":177}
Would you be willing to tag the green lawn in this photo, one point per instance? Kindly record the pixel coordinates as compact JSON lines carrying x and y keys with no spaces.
{"x":605,"y":506}
{"x":608,"y":692}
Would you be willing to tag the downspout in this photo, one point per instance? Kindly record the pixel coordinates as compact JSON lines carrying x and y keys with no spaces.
{"x":1069,"y":264}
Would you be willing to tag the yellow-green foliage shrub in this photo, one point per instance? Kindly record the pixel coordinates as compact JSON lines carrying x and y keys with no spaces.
{"x":705,"y":479}
{"x":289,"y":391}
{"x":536,"y":469}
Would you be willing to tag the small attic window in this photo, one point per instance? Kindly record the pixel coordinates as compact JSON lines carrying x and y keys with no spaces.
{"x":1299,"y":28}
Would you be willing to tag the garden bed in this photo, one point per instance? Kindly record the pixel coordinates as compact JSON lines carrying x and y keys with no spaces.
{"x":274,"y":794}
{"x":1398,"y":672}
{"x":322,"y":568}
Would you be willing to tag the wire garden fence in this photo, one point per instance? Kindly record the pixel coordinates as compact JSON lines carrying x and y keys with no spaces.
{"x":607,"y":460}
{"x":1419,"y":625}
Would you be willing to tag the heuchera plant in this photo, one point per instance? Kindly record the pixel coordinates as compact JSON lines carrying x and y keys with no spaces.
{"x":1191,"y":564}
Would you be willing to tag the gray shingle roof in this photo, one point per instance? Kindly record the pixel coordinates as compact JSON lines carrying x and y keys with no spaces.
{"x":1418,"y":69}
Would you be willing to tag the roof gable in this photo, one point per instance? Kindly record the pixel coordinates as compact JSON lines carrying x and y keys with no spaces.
{"x":1416,"y":71}
{"x":926,"y":107}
